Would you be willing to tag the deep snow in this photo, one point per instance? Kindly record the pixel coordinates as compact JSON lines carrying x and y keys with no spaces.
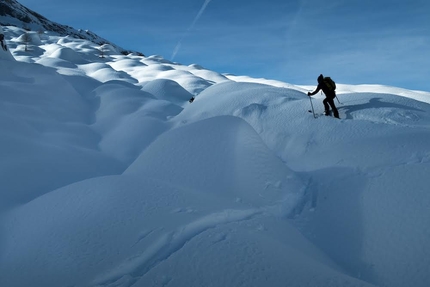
{"x":110,"y":177}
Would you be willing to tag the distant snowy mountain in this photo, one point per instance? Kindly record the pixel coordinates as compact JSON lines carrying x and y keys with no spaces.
{"x":110,"y":177}
{"x":12,"y":13}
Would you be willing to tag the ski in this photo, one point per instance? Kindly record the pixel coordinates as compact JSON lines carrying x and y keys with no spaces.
{"x":316,"y":114}
{"x":319,"y":114}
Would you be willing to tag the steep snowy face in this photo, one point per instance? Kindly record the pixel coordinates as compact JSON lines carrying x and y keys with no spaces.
{"x":12,"y":13}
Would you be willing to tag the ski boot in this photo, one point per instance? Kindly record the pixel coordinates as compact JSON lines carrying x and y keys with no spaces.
{"x":327,"y":113}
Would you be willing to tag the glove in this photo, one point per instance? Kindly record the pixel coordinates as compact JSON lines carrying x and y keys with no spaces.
{"x":309,"y":94}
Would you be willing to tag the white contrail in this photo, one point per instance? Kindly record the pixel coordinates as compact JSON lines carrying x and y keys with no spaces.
{"x":178,"y":46}
{"x":199,"y":14}
{"x":176,"y":50}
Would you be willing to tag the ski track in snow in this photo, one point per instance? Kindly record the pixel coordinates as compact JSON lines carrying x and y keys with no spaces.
{"x":169,"y":243}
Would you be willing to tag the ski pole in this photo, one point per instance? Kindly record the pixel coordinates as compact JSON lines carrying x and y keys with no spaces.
{"x":312,"y":106}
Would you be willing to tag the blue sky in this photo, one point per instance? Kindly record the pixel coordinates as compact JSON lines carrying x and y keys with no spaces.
{"x":354,"y":41}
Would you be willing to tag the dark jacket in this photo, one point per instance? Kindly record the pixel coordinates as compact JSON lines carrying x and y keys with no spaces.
{"x":328,"y":93}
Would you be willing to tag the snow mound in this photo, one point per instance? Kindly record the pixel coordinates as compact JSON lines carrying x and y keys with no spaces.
{"x":168,"y":90}
{"x":236,"y":155}
{"x":105,"y":73}
{"x":129,"y":119}
{"x":186,"y":79}
{"x":67,"y":54}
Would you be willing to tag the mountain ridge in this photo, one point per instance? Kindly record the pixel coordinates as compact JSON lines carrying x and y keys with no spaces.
{"x":13,"y":13}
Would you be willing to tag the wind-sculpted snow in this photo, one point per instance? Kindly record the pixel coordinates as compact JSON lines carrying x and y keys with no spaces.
{"x":110,"y":177}
{"x":168,"y":90}
{"x":226,"y":161}
{"x":160,"y":218}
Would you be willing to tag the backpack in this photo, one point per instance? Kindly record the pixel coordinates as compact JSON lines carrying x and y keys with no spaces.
{"x":330,"y":84}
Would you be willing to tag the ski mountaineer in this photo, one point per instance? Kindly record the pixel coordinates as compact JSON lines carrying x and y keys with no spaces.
{"x":330,"y":94}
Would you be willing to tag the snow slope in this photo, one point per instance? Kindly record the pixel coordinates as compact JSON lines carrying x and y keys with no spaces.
{"x":109,"y":177}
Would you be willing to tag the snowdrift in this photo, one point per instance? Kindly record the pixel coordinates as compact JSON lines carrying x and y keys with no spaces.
{"x":109,"y":177}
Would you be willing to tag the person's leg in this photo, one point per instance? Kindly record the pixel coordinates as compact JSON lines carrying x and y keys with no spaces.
{"x":333,"y":107}
{"x":326,"y":107}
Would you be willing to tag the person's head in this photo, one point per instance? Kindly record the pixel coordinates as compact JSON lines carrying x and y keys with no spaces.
{"x":320,"y":79}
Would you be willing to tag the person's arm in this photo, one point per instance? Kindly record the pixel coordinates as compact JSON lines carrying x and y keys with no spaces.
{"x":314,"y":92}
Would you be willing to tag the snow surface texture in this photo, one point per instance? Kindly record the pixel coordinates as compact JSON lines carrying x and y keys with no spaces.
{"x":110,"y":177}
